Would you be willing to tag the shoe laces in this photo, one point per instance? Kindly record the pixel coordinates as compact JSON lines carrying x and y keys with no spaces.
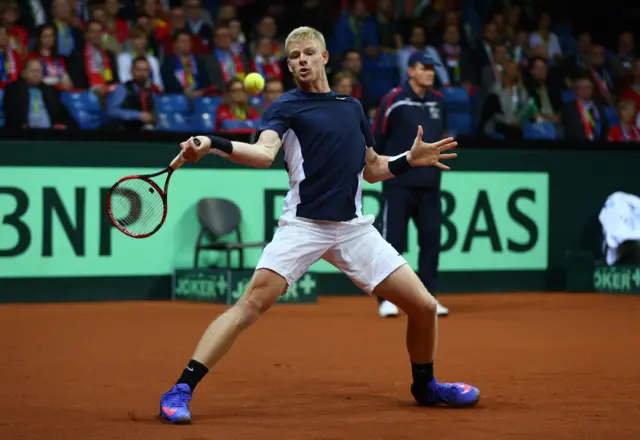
{"x":177,"y":398}
{"x":448,"y":389}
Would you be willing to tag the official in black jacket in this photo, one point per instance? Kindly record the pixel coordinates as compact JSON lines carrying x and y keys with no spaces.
{"x":415,"y":194}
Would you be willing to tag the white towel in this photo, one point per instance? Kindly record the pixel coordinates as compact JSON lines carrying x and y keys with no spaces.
{"x":620,"y":220}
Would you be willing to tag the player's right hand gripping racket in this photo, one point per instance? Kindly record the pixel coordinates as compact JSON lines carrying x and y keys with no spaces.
{"x":137,"y":206}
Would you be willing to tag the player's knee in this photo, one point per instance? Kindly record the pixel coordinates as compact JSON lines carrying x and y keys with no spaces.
{"x":249,"y":312}
{"x":425,"y":305}
{"x":256,"y":300}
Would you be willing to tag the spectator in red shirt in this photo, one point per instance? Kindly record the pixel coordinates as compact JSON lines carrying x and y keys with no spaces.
{"x":266,"y":63}
{"x":18,"y":35}
{"x":235,"y":106}
{"x":627,"y":131}
{"x":54,"y":69}
{"x":633,"y":92}
{"x":10,"y":62}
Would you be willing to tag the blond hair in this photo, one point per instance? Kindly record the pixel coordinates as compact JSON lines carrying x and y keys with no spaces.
{"x":303,"y":33}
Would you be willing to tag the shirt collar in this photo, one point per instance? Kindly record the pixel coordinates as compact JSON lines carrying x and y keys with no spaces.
{"x":412,"y":95}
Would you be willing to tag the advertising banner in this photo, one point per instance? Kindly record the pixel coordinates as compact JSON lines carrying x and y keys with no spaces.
{"x":53,"y":221}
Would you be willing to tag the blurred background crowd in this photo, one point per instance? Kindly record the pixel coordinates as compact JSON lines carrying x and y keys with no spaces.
{"x":507,"y":69}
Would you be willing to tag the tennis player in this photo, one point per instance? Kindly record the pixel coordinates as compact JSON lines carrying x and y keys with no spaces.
{"x":328,"y":149}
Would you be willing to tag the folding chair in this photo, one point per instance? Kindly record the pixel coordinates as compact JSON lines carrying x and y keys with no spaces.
{"x":218,"y":218}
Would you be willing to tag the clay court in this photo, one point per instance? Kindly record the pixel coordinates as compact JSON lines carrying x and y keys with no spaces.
{"x":552,"y":366}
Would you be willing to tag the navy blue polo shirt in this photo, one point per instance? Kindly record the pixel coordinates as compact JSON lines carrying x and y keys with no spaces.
{"x":396,"y":125}
{"x":324,"y":137}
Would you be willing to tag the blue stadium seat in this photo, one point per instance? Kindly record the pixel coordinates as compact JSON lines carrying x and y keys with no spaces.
{"x":207,"y":104}
{"x":232,"y":124}
{"x":540,"y":130}
{"x":206,"y":122}
{"x":568,"y":95}
{"x":87,"y":120}
{"x":455,"y":95}
{"x":457,"y":100}
{"x":176,"y":122}
{"x":205,"y":112}
{"x":87,"y":101}
{"x":173,"y":103}
{"x":85,"y":108}
{"x":612,"y":116}
{"x":459,"y":123}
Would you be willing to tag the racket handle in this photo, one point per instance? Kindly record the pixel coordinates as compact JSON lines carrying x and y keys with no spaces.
{"x":177,"y":162}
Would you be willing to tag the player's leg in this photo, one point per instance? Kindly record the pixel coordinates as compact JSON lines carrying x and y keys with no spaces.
{"x":263,"y":291}
{"x":374,"y":265}
{"x":428,"y":219}
{"x":398,"y":205}
{"x":282,"y":263}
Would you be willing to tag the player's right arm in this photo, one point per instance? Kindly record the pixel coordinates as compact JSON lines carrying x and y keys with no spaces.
{"x":258,"y":155}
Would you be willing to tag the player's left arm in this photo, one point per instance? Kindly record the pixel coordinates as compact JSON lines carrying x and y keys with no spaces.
{"x":421,"y":154}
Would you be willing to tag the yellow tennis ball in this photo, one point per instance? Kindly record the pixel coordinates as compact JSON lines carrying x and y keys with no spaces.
{"x":254,"y":83}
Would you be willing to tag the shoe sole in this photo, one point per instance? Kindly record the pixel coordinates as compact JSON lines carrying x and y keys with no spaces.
{"x":177,"y":422}
{"x":451,"y":405}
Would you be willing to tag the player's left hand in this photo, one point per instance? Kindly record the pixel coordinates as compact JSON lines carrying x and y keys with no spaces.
{"x":423,"y":154}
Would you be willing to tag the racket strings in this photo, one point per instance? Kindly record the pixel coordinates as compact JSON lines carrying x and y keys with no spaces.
{"x":137,"y":206}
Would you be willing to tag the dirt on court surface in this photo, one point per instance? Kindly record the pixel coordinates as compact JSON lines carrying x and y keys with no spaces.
{"x":552,"y":366}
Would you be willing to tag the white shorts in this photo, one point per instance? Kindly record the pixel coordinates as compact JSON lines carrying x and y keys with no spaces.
{"x":356,"y":248}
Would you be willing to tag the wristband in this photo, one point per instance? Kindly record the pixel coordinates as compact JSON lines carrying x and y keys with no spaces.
{"x":399,"y":165}
{"x":221,"y":144}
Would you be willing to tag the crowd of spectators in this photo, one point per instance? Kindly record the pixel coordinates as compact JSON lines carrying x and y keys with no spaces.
{"x":521,"y":73}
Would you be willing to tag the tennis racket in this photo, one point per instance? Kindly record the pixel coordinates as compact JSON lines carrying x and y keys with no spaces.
{"x":137,"y":206}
